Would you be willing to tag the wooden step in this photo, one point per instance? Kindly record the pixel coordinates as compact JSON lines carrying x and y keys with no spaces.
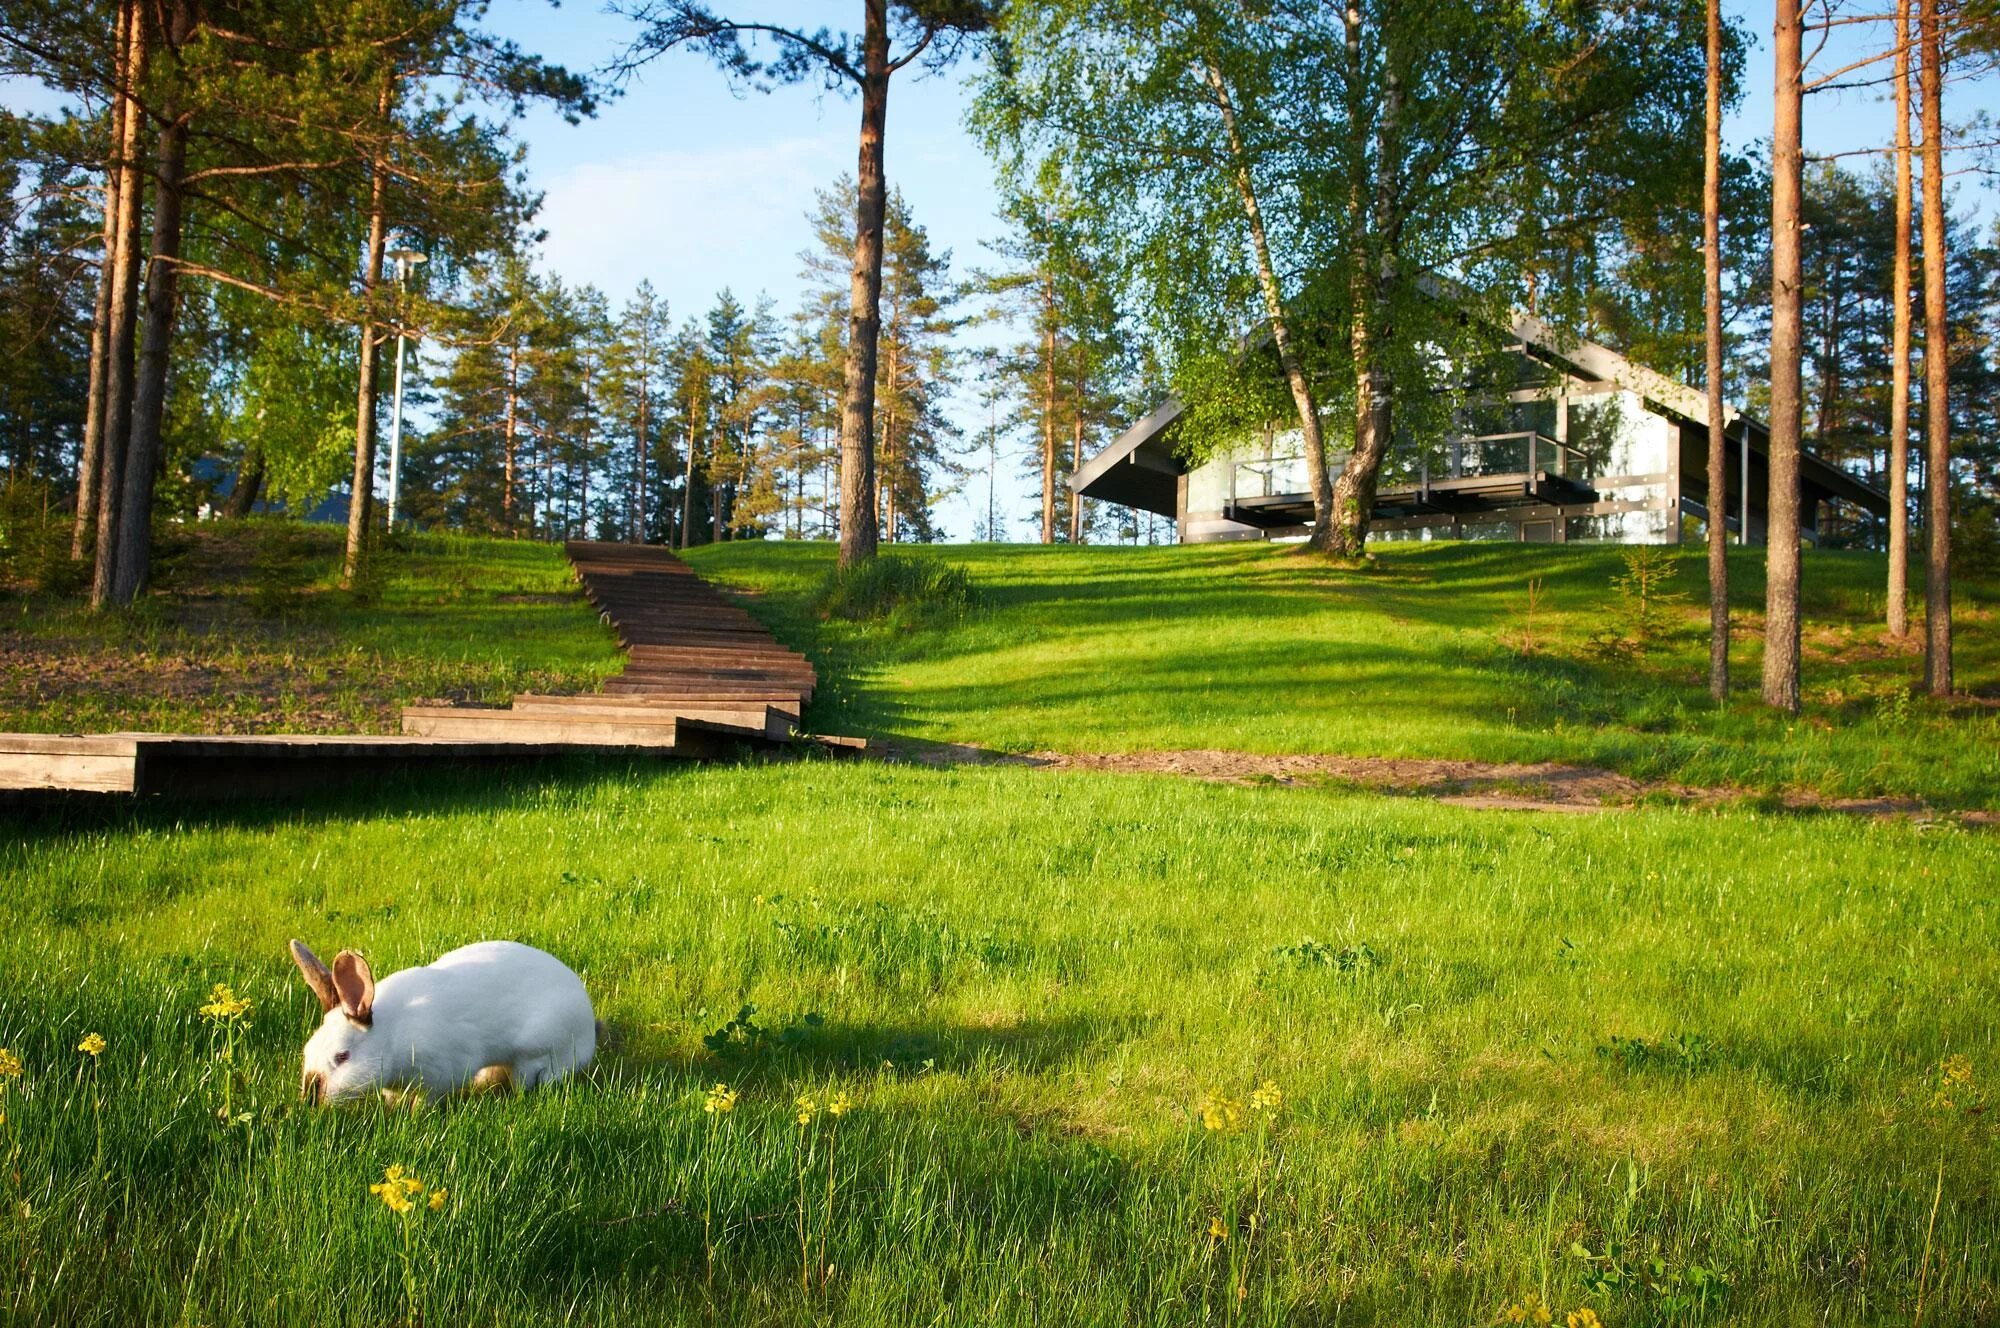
{"x":773,"y":721}
{"x":669,"y":689}
{"x":747,"y":696}
{"x":621,"y":728}
{"x":718,"y":670}
{"x":645,"y":702}
{"x":532,"y":726}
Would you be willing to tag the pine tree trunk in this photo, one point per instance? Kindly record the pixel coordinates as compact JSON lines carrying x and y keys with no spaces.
{"x":1937,"y":370}
{"x":360,"y":507}
{"x":639,"y":466}
{"x":1048,"y":414}
{"x":1718,"y":468}
{"x":249,"y":483}
{"x":1781,"y":558}
{"x":508,"y":439}
{"x":687,"y":491}
{"x":1076,"y":460}
{"x":582,"y":522}
{"x":123,"y":314}
{"x":88,"y":462}
{"x":858,"y":530}
{"x":1274,"y":309}
{"x":149,"y":400}
{"x":887,"y":475}
{"x":1899,"y":354}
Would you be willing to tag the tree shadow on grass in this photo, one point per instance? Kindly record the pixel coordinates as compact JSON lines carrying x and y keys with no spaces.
{"x":918,"y":1047}
{"x":447,"y":785}
{"x":919,"y":1179}
{"x":919,"y":1186}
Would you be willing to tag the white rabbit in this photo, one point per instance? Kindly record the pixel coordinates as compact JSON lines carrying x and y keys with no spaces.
{"x":489,"y":1014}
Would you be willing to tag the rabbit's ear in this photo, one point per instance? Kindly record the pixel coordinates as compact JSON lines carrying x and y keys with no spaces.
{"x":354,"y":983}
{"x":315,"y":974}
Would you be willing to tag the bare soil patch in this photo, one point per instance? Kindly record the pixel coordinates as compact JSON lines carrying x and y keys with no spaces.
{"x":1544,"y":787}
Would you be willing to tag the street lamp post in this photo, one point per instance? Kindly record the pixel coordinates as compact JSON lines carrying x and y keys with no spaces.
{"x":405,"y":260}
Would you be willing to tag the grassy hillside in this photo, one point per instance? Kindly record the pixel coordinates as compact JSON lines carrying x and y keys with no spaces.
{"x":1672,"y":1067}
{"x":247,"y":631}
{"x":1432,"y":653}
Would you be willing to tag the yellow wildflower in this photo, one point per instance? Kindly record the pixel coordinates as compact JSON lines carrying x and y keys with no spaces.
{"x":10,"y":1064}
{"x":392,"y":1196}
{"x":839,"y":1106}
{"x":1954,"y":1081}
{"x":439,"y":1196}
{"x":224,"y":1004}
{"x":91,"y":1046}
{"x":807,"y":1110}
{"x":1217,"y":1231}
{"x":1268,"y":1097}
{"x":1529,"y":1309}
{"x":721,"y":1100}
{"x":1583,"y":1318}
{"x":397,"y":1190}
{"x":1221,"y":1113}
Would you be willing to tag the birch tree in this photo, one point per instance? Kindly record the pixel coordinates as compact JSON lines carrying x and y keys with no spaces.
{"x":1293,"y":183}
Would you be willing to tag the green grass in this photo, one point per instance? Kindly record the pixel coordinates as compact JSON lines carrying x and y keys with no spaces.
{"x":1706,"y":1043}
{"x":1255,"y":648}
{"x":247,"y":631}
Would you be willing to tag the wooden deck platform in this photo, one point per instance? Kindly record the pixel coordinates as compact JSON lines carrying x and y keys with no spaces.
{"x":703,"y":678}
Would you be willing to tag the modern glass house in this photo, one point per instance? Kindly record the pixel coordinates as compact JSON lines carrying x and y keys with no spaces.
{"x":1559,"y":440}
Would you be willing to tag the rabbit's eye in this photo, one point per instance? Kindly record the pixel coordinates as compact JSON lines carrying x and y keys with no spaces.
{"x":339,"y":1059}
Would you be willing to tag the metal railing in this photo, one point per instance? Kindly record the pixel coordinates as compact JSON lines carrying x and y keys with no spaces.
{"x":1524,"y":453}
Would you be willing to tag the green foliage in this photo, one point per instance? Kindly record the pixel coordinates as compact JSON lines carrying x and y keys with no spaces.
{"x":742,"y":1036}
{"x":1649,"y":605}
{"x":1673,"y":1292}
{"x":899,"y":590}
{"x":1683,"y":1053}
{"x":1311,"y":954}
{"x":1975,"y":538}
{"x":35,"y":541}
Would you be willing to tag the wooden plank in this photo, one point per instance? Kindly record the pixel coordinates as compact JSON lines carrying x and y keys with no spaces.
{"x":71,"y":744}
{"x":518,"y":726}
{"x":774,"y":722}
{"x":662,"y":700}
{"x":722,"y":668}
{"x":81,"y":772}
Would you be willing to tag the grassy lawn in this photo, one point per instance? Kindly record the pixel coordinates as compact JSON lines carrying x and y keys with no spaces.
{"x":248,"y":632}
{"x":1672,"y":1066}
{"x":1433,"y":653}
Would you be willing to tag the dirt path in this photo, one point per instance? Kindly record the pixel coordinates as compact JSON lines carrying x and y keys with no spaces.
{"x":1489,"y":785}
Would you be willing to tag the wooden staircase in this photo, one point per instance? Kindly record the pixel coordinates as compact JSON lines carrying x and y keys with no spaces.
{"x":694,"y":658}
{"x":702,"y":679}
